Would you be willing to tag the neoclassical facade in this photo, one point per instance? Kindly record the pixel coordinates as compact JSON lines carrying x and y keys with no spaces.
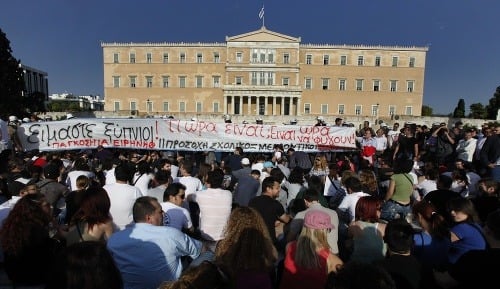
{"x":263,"y":73}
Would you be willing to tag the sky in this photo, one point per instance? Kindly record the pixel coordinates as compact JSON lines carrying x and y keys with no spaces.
{"x":63,"y":37}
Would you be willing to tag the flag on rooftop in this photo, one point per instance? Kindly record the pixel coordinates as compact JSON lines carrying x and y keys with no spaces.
{"x":261,"y":13}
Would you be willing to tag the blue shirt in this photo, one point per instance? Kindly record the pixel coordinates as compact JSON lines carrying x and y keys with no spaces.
{"x":148,"y":255}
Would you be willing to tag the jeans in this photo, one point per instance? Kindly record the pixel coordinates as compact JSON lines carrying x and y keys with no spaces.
{"x":393,"y":210}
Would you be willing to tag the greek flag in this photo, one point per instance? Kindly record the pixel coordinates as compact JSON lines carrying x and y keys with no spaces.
{"x":261,"y":13}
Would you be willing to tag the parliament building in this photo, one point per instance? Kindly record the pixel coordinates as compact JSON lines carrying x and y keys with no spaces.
{"x":263,"y":73}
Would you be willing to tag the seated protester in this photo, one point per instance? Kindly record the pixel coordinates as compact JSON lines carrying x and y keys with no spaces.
{"x":355,"y":275}
{"x":366,"y":232}
{"x":246,"y":188}
{"x":347,"y":208}
{"x":432,"y":242}
{"x":460,"y":183}
{"x":466,"y":234}
{"x":428,"y":183}
{"x":148,"y":253}
{"x":311,"y":200}
{"x":488,"y":199}
{"x":476,"y":268}
{"x":403,"y":267}
{"x":85,"y":265}
{"x":26,"y":240}
{"x":441,"y":196}
{"x":207,"y":275}
{"x":74,"y":198}
{"x":175,"y":215}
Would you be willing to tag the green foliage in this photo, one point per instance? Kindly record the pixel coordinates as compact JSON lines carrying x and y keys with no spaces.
{"x":478,"y":111}
{"x":460,"y":109}
{"x":12,"y":86}
{"x":493,"y":105}
{"x":427,"y":110}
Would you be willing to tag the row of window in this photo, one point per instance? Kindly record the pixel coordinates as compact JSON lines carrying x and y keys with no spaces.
{"x":266,"y":78}
{"x":341,"y":108}
{"x":360,"y":84}
{"x":267,"y":56}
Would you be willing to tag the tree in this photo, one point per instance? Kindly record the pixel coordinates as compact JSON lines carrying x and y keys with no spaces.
{"x":477,"y":110}
{"x":493,"y":105}
{"x":426,"y":110}
{"x":460,"y":109}
{"x":11,"y":81}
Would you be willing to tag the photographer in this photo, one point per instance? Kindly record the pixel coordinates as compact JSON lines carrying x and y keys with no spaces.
{"x":442,"y":145}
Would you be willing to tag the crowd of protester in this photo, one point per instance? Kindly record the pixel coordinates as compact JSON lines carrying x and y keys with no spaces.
{"x":416,"y":207}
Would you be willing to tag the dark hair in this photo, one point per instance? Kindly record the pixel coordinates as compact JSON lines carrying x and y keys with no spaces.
{"x":444,"y":182}
{"x":143,"y":207}
{"x":215,"y":178}
{"x":296,"y":176}
{"x":354,"y":184}
{"x":268,"y":182}
{"x":438,"y":227}
{"x":357,"y":275}
{"x":277,"y":174}
{"x":172,"y":190}
{"x":403,"y":166}
{"x":162,"y":177}
{"x":311,"y":195}
{"x":399,"y":236}
{"x":94,"y":207}
{"x":122,"y":173}
{"x":465,"y":206}
{"x":86,"y":265}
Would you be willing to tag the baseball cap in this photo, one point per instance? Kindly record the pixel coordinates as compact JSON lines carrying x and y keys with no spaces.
{"x":268,"y":165}
{"x":316,"y":219}
{"x":245,"y":161}
{"x":338,"y":119}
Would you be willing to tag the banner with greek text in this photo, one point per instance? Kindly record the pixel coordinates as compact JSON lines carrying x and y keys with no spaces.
{"x":171,"y":134}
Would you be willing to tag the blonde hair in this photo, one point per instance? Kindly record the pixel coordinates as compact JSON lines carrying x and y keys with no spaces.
{"x":309,"y":243}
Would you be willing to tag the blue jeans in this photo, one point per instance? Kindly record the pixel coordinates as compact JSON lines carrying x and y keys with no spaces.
{"x":393,"y":210}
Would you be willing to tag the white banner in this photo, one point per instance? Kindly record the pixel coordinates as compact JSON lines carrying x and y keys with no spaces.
{"x":171,"y":134}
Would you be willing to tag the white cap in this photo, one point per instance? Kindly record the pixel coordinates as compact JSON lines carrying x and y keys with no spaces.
{"x":69,"y":116}
{"x":245,"y":161}
{"x":12,"y":118}
{"x":194,"y":119}
{"x":26,"y":119}
{"x":320,"y":118}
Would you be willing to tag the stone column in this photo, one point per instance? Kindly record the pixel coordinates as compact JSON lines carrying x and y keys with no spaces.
{"x":274,"y":105}
{"x":265,"y":104}
{"x":298,"y":107}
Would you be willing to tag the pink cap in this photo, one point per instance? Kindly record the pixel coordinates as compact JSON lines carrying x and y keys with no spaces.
{"x":316,"y":219}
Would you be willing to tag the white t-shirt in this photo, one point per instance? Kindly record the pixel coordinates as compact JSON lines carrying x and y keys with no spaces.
{"x":215,"y":208}
{"x":122,"y":198}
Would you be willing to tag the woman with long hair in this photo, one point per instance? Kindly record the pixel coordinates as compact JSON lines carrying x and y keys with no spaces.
{"x":466,"y":233}
{"x":92,"y":221}
{"x":246,"y":254}
{"x":308,"y":261}
{"x":28,"y":248}
{"x":320,"y":167}
{"x":400,"y":191}
{"x":369,"y":182}
{"x":432,"y":242}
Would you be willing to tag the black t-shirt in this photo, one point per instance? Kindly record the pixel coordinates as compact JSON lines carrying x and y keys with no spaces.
{"x":270,"y":210}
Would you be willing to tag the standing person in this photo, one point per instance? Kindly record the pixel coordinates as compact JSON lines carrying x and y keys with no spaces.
{"x":193,"y":184}
{"x":74,"y":198}
{"x":246,"y":253}
{"x":233,"y":160}
{"x":407,"y":145}
{"x":300,"y":159}
{"x":382,"y":143}
{"x":490,"y":154}
{"x":309,"y":260}
{"x":215,"y":207}
{"x":368,"y":145}
{"x":147,"y":253}
{"x":246,"y":188}
{"x":269,"y":208}
{"x":466,"y":147}
{"x":122,"y":197}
